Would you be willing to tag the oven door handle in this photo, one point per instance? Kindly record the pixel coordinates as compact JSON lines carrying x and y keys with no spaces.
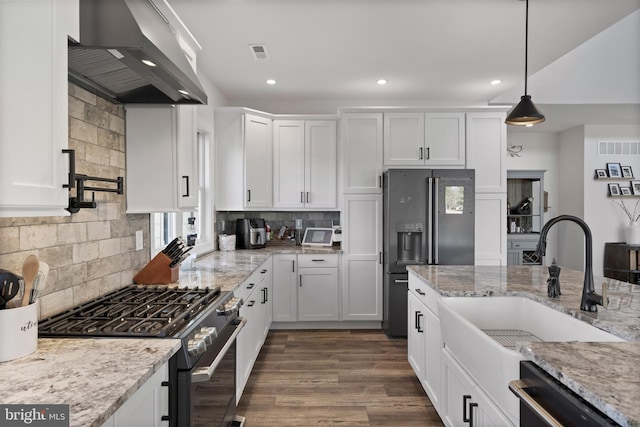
{"x":518,"y":387}
{"x":204,"y":374}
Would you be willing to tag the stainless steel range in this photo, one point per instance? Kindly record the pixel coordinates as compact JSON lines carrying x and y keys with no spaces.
{"x":202,"y":374}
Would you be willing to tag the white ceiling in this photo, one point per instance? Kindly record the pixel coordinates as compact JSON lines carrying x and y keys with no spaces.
{"x":329,"y":53}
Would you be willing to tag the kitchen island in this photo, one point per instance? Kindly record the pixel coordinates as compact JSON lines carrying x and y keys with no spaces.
{"x":606,"y":375}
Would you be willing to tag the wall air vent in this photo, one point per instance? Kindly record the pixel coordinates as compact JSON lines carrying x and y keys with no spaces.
{"x":259,"y":51}
{"x":618,"y":148}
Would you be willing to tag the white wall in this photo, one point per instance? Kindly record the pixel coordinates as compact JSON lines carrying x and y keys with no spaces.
{"x":606,"y":220}
{"x":540,"y":151}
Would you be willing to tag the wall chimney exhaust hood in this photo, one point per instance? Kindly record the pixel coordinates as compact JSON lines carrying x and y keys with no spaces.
{"x":128,"y":53}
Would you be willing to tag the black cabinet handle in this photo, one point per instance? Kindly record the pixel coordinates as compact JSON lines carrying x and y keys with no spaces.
{"x":465,"y":417}
{"x":251,"y":303}
{"x":264,"y":271}
{"x":302,"y":197}
{"x":301,"y":280}
{"x":421,"y":153}
{"x":318,"y":260}
{"x":248,"y":195}
{"x":72,"y":168}
{"x":420,"y":315}
{"x":251,"y":285}
{"x":293,"y":266}
{"x":186,"y":178}
{"x":420,"y":292}
{"x":471,"y":406}
{"x":264,"y":296}
{"x":308,"y":199}
{"x":428,"y":153}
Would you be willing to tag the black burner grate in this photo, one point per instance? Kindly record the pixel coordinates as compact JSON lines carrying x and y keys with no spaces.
{"x":133,"y":311}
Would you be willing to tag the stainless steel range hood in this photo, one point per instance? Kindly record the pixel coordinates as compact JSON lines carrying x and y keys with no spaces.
{"x":116,"y":36}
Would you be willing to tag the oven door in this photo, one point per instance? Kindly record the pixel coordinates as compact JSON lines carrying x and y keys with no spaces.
{"x":207,"y":392}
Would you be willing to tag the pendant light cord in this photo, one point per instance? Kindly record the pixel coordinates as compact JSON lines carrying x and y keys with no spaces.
{"x":526,"y":43}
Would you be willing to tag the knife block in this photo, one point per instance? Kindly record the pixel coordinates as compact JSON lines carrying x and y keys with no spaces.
{"x":157,"y":272}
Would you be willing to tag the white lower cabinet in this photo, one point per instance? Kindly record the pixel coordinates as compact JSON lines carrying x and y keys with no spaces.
{"x":306,"y":287}
{"x":424,"y":339}
{"x":255,"y":292}
{"x":464,"y":400}
{"x":147,"y":406}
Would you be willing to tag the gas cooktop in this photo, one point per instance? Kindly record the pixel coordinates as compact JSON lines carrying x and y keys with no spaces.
{"x":133,"y":311}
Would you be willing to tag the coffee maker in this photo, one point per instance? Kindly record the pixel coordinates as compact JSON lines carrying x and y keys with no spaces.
{"x":251,"y":233}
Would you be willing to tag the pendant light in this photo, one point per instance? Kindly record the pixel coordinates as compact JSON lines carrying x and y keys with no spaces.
{"x":525,"y":113}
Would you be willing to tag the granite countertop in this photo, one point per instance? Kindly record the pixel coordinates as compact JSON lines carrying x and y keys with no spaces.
{"x":607,"y":375}
{"x":93,"y":376}
{"x":229,"y":269}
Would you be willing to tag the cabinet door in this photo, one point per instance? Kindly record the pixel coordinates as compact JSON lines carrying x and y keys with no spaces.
{"x":432,"y":356}
{"x":257,"y":162}
{"x":487,"y":151}
{"x":318,"y":294}
{"x":187,"y":151}
{"x":361,"y":139}
{"x":490,"y":229}
{"x":362,"y":257}
{"x":266,"y":308}
{"x":288,"y":164}
{"x":245,"y":344}
{"x":416,"y":335}
{"x":444,"y":139}
{"x":148,"y":404}
{"x":320,"y":164}
{"x":458,"y":391}
{"x":151,"y":141}
{"x":34,"y":106}
{"x":404,"y":139}
{"x":285,"y":288}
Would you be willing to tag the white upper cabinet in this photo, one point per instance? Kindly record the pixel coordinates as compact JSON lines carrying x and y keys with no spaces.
{"x":424,"y":139}
{"x":244,"y":154}
{"x":257,"y":162}
{"x":361,"y":142}
{"x":487,"y":150}
{"x":162,"y":158}
{"x":304,"y":164}
{"x":34,"y":105}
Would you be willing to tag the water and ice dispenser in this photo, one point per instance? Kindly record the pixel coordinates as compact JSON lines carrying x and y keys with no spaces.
{"x":409,"y":245}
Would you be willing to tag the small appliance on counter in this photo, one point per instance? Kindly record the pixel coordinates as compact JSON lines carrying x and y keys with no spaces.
{"x":251,"y":233}
{"x":318,"y":236}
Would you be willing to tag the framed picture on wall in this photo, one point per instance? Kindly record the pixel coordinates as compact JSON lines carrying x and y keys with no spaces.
{"x":614,"y":189}
{"x":615,"y":170}
{"x":601,"y":173}
{"x":625,"y":191}
{"x":627,"y":172}
{"x":635,"y":187}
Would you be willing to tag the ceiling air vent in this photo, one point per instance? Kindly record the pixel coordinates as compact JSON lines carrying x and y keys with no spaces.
{"x":259,"y":51}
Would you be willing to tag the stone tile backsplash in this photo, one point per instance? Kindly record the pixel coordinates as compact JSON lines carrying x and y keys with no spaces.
{"x":92,"y":252}
{"x":226,"y":221}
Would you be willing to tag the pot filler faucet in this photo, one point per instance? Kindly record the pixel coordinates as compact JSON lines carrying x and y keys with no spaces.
{"x":590,"y":299}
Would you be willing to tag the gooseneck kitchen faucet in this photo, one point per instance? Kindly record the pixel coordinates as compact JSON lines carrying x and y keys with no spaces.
{"x":590,"y":299}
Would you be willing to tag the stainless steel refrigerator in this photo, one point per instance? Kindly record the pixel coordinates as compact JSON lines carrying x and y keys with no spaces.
{"x":428,"y":219}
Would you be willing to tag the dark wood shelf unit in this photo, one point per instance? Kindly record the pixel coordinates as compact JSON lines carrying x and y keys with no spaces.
{"x":622,"y":262}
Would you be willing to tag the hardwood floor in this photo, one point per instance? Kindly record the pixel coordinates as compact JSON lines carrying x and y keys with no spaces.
{"x":334,"y":378}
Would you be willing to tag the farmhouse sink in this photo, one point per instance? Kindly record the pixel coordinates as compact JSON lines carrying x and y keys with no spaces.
{"x":481,"y":333}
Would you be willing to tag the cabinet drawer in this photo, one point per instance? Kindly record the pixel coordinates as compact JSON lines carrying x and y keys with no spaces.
{"x":253,"y":281}
{"x":523,"y":244}
{"x":425,"y":293}
{"x":317,"y":260}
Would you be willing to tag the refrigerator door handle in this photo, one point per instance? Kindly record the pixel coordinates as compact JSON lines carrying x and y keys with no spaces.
{"x":429,"y":220}
{"x":435,"y":220}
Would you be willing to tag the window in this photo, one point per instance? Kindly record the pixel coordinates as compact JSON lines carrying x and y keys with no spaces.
{"x":165,"y":226}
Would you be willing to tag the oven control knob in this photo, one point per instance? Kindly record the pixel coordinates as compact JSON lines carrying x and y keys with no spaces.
{"x":207,"y":334}
{"x":196,"y":347}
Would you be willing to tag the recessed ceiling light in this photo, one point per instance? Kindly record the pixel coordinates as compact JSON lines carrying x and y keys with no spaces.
{"x":271,"y":82}
{"x":149,"y":63}
{"x":496,"y":82}
{"x":382,"y":82}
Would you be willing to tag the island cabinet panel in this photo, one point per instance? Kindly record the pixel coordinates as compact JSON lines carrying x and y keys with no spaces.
{"x":464,"y":401}
{"x":34,"y":118}
{"x":147,"y":406}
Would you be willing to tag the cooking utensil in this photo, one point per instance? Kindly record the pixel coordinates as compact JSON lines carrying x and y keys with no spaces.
{"x":9,"y":287}
{"x":30,"y":269}
{"x":39,"y":282}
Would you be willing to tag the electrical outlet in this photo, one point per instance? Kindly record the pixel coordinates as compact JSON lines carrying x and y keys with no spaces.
{"x":139,"y":241}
